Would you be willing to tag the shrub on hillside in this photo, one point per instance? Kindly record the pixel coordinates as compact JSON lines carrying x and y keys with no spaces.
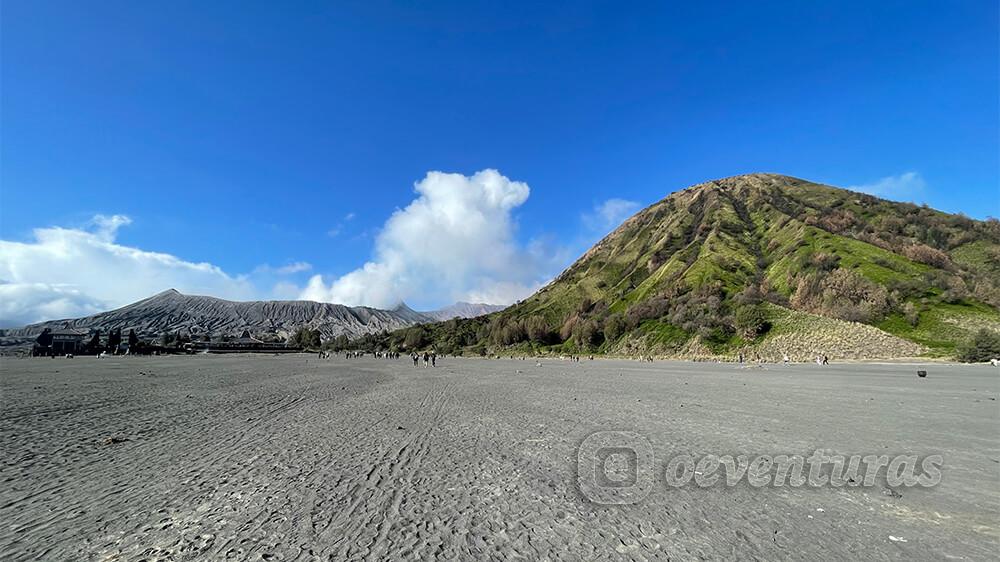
{"x":658,"y":258}
{"x":911,"y":314}
{"x":923,"y":253}
{"x":987,"y":292}
{"x":340,"y":343}
{"x":807,"y":294}
{"x":752,"y":294}
{"x":507,"y":332}
{"x":306,"y":338}
{"x":587,"y":334}
{"x":566,"y":331}
{"x":538,"y":330}
{"x":652,"y":308}
{"x":614,"y":327}
{"x":892,"y":224}
{"x":983,"y":346}
{"x":837,"y":221}
{"x":824,"y":261}
{"x":842,"y":294}
{"x":751,"y":321}
{"x":415,"y":338}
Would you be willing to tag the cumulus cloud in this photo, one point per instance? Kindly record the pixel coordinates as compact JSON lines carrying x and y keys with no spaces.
{"x":609,"y":214}
{"x":455,"y":241}
{"x":68,"y":272}
{"x":903,"y":187}
{"x":25,"y":303}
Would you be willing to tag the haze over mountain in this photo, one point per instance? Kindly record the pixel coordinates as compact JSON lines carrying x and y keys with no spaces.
{"x":463,"y":310}
{"x":171,"y":311}
{"x":763,"y":263}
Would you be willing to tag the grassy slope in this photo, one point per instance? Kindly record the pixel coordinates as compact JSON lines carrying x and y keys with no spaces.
{"x":941,"y":326}
{"x":763,"y":228}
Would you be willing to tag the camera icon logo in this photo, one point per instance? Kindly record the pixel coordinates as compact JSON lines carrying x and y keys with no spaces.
{"x":615,"y":467}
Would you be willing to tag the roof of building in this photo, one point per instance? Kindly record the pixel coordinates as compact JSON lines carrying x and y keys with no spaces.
{"x":76,"y":332}
{"x":245,"y":337}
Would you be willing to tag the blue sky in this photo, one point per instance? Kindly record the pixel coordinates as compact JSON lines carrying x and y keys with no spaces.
{"x":255,"y":136}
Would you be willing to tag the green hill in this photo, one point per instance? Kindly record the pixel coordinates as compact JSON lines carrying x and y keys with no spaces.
{"x":761,"y":264}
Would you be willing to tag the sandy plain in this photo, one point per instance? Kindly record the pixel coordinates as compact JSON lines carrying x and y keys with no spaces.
{"x":253,"y":457}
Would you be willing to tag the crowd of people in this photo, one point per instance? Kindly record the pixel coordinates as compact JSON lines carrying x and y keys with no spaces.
{"x":359,"y":354}
{"x":741,"y":359}
{"x":429,"y":357}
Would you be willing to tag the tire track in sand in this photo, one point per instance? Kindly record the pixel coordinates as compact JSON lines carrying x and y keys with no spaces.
{"x":362,"y":529}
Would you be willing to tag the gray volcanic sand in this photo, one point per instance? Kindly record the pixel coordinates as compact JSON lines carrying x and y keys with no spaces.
{"x":296,"y":458}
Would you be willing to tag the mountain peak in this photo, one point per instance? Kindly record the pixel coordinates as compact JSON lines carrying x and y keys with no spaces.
{"x":748,"y":180}
{"x":169,"y":293}
{"x":402,"y":307}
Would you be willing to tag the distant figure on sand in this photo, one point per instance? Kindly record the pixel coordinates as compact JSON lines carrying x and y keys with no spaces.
{"x":427,"y":359}
{"x":785,"y":359}
{"x":415,"y":358}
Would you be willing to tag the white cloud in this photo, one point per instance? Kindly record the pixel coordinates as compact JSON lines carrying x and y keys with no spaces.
{"x":107,"y":227}
{"x":455,"y":241}
{"x":26,"y":303}
{"x":906,"y":186}
{"x":288,"y":269}
{"x":609,"y":214}
{"x":67,"y":272}
{"x":285,"y":290}
{"x":295,"y":267}
{"x":339,"y":227}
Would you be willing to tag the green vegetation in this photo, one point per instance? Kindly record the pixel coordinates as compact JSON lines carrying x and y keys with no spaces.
{"x":305,"y":338}
{"x":984,"y":346}
{"x":661,"y":336}
{"x":941,"y":327}
{"x":754,"y":262}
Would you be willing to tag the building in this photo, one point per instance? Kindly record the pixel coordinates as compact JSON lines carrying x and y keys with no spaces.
{"x":69,"y":341}
{"x":246,"y":339}
{"x":243,"y":344}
